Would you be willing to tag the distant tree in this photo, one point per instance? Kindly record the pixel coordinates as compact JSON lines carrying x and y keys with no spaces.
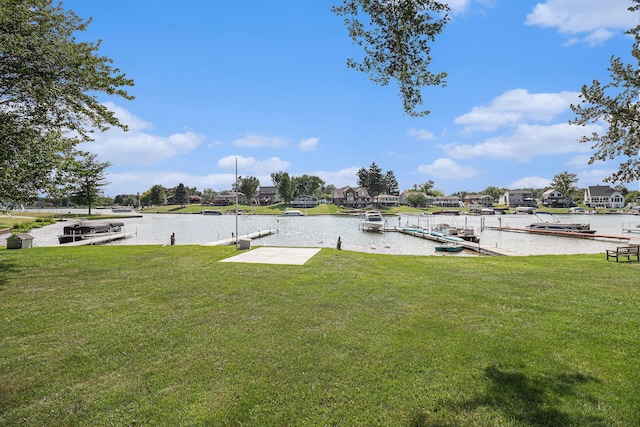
{"x":282,"y":181}
{"x":565,"y":183}
{"x":461,"y":194}
{"x":88,"y":177}
{"x":632,"y":197}
{"x":157,"y":195}
{"x":208,"y":195}
{"x":49,"y":81}
{"x":395,"y":37}
{"x":391,"y":184}
{"x":616,"y":104}
{"x":308,"y":185}
{"x":249,"y":187}
{"x":416,"y":200}
{"x":125,"y":200}
{"x":494,"y":192}
{"x":622,"y":189}
{"x":372,"y":179}
{"x":328,"y":191}
{"x":426,"y":188}
{"x":180,"y":196}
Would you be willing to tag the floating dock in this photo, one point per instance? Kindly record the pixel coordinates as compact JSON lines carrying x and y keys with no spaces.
{"x":233,"y":240}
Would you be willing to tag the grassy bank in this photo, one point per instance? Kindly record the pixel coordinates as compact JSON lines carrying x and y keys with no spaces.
{"x":145,"y":335}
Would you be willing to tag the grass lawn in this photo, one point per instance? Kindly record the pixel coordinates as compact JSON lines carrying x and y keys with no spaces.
{"x":149,"y":335}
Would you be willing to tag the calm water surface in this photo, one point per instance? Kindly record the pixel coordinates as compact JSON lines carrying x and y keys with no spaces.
{"x":324,"y":231}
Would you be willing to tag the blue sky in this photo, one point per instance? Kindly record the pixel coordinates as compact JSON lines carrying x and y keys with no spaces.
{"x":266,"y":82}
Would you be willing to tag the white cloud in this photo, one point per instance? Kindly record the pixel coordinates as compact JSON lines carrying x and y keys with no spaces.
{"x":530,"y":182}
{"x":140,"y":181}
{"x":600,"y":19}
{"x":459,"y":7}
{"x":594,"y":176}
{"x":251,"y":166}
{"x":230,"y":162}
{"x":308,"y":144}
{"x":526,"y":142}
{"x":516,"y":106}
{"x":268,"y":166}
{"x":256,"y":141}
{"x":447,"y":169}
{"x":340,"y":178}
{"x":138,"y":146}
{"x":421,"y":134}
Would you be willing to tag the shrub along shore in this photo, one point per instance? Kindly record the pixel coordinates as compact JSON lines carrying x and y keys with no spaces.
{"x":147,"y":335}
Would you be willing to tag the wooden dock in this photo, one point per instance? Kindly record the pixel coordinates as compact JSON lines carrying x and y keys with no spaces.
{"x":99,"y":239}
{"x":232,"y":240}
{"x":467,"y":245}
{"x":562,"y":233}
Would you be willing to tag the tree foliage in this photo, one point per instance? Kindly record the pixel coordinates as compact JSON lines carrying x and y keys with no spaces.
{"x":88,"y":177}
{"x":391,"y":183}
{"x":49,"y":83}
{"x":283,"y":183}
{"x":309,"y":185}
{"x":180,"y":195}
{"x":249,"y":187}
{"x":155,"y":196}
{"x":376,"y":182}
{"x":416,"y":200}
{"x":395,"y":36}
{"x":616,"y":104}
{"x":565,"y":183}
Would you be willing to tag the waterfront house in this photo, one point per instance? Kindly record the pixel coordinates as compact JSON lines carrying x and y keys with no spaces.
{"x":448,"y":202}
{"x":351,"y":197}
{"x":482,"y":200}
{"x":228,"y":198}
{"x":603,"y":196}
{"x":388,"y":200}
{"x":268,"y":195}
{"x":554,"y":199}
{"x":304,"y":202}
{"x":517,"y":198}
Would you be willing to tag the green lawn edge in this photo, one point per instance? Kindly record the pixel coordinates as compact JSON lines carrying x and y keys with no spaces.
{"x":149,"y":335}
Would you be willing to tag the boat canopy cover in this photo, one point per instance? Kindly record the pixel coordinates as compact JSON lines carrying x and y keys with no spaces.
{"x":84,"y":227}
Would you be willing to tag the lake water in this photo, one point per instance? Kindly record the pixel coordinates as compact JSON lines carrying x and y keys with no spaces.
{"x":324,"y":231}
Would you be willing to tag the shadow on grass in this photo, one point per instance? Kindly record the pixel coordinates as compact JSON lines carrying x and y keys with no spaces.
{"x":529,"y":401}
{"x":6,"y":268}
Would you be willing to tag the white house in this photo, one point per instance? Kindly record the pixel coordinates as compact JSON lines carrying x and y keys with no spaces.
{"x":603,"y":196}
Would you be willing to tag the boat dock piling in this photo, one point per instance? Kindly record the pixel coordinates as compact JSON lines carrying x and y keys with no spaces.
{"x":233,"y":240}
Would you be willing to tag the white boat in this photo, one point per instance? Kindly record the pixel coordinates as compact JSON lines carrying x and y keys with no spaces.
{"x":373,"y":221}
{"x":557,"y":226}
{"x":292,"y":212}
